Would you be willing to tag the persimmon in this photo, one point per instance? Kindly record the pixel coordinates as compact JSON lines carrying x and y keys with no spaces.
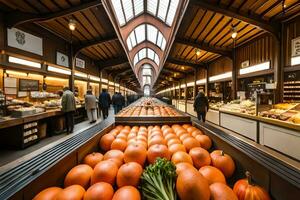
{"x":115,"y":154}
{"x":220,"y":191}
{"x":93,"y":159}
{"x":105,"y":141}
{"x":173,"y":141}
{"x":73,"y":192}
{"x":119,"y":144}
{"x":126,"y":193}
{"x":157,"y":140}
{"x":200,"y":157}
{"x":176,"y":147}
{"x":48,"y":194}
{"x":223,"y":162}
{"x":190,"y":143}
{"x":170,"y":136}
{"x":204,"y":140}
{"x":99,"y":191}
{"x":212,"y":175}
{"x":183,"y":166}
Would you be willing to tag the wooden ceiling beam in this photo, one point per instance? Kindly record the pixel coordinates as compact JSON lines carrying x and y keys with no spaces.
{"x":271,"y":27}
{"x":184,"y":63}
{"x":112,"y":62}
{"x":173,"y":71}
{"x":17,"y":18}
{"x":206,"y":47}
{"x":100,"y":40}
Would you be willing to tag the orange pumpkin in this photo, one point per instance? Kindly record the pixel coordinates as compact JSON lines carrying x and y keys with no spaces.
{"x":220,"y":191}
{"x":79,"y":175}
{"x":73,"y":192}
{"x":246,"y":190}
{"x":48,"y":194}
{"x":93,"y":159}
{"x":223,"y":162}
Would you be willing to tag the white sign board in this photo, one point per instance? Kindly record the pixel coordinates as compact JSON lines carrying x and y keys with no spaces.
{"x":79,"y":63}
{"x":24,"y":41}
{"x":296,"y":47}
{"x":62,"y":59}
{"x":245,"y":64}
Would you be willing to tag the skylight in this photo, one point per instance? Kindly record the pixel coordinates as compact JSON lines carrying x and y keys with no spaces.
{"x":126,"y":10}
{"x":148,"y":32}
{"x":146,"y":53}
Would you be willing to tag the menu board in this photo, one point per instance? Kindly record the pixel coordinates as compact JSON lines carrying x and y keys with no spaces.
{"x":28,"y":85}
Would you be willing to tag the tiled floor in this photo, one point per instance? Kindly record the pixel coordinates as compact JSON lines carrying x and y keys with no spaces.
{"x":10,"y":158}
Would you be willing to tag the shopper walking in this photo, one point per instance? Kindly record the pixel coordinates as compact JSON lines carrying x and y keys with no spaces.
{"x":91,"y":106}
{"x":201,"y":106}
{"x":68,"y":106}
{"x":114,"y":100}
{"x":104,"y":103}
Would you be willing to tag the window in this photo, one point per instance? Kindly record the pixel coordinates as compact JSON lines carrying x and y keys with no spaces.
{"x":126,"y":10}
{"x":147,"y":90}
{"x":146,"y":53}
{"x":146,"y":32}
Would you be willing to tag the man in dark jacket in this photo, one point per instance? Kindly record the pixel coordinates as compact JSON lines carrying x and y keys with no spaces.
{"x":114,"y":100}
{"x":104,"y":103}
{"x":68,"y":106}
{"x":201,"y":106}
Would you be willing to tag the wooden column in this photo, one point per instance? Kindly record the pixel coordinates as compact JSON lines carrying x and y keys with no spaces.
{"x":185,"y":94}
{"x":234,"y":74}
{"x":195,"y":84}
{"x":72,"y":62}
{"x":207,"y":80}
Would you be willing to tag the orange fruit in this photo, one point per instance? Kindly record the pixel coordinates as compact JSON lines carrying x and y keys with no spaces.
{"x":191,"y":129}
{"x":73,"y":192}
{"x":105,"y":141}
{"x":116,"y":154}
{"x":156,"y":151}
{"x":220,"y":191}
{"x":181,"y":156}
{"x":129,"y":174}
{"x":93,"y":159}
{"x":191,"y":185}
{"x":122,"y":136}
{"x":204,"y":140}
{"x":127,"y":193}
{"x":223,"y":162}
{"x":135,"y":153}
{"x":200,"y":157}
{"x":183,"y":166}
{"x":170,"y":136}
{"x":190,"y":143}
{"x":79,"y":175}
{"x":196,"y":132}
{"x":48,"y":194}
{"x":174,"y":141}
{"x":176,"y":147}
{"x":119,"y":144}
{"x":212,"y":175}
{"x":157,"y":140}
{"x":105,"y":171}
{"x":184,"y":136}
{"x":99,"y":191}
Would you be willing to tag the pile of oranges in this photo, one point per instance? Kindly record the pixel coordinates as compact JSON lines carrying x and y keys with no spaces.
{"x":148,"y":111}
{"x":126,"y":151}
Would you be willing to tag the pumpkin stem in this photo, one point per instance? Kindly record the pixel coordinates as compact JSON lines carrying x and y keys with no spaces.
{"x":249,"y":177}
{"x":222,"y":153}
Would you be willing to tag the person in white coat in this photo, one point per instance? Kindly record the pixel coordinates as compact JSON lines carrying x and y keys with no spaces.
{"x":91,"y":106}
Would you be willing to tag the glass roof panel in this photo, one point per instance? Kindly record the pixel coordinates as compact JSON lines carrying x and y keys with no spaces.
{"x":172,"y":12}
{"x":120,"y":15}
{"x":129,"y":43}
{"x":162,"y":9}
{"x":151,"y":33}
{"x":146,"y":53}
{"x":163,"y":44}
{"x":128,"y":9}
{"x":138,"y":7}
{"x":152,"y":6}
{"x":140,"y":33}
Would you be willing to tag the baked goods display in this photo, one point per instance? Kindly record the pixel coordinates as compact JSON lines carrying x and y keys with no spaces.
{"x":245,"y":107}
{"x":216,"y":106}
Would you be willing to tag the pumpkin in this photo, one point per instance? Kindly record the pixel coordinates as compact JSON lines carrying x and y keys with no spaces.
{"x":220,"y":191}
{"x":48,"y":194}
{"x":223,"y":162}
{"x":246,"y":190}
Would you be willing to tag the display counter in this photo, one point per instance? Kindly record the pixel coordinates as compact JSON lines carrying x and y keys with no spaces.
{"x":24,"y":131}
{"x":213,"y":116}
{"x":276,"y":134}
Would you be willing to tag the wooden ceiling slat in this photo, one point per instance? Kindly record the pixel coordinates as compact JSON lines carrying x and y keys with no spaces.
{"x":50,"y":5}
{"x":74,"y":2}
{"x":245,"y":6}
{"x":99,"y":13}
{"x":89,"y":54}
{"x":187,"y":52}
{"x":271,"y":8}
{"x":112,"y":49}
{"x":86,"y":24}
{"x":100,"y":52}
{"x":196,"y":20}
{"x":226,"y":21}
{"x":64,"y":26}
{"x":257,"y":4}
{"x":241,"y":33}
{"x":264,"y":7}
{"x":210,"y":28}
{"x":292,"y":7}
{"x":227,"y":37}
{"x":202,"y":24}
{"x":94,"y":50}
{"x":62,"y":4}
{"x":236,"y":4}
{"x":38,"y":6}
{"x":106,"y":50}
{"x":93,"y":20}
{"x":79,"y":27}
{"x":187,"y":20}
{"x":24,"y":7}
{"x":218,"y":38}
